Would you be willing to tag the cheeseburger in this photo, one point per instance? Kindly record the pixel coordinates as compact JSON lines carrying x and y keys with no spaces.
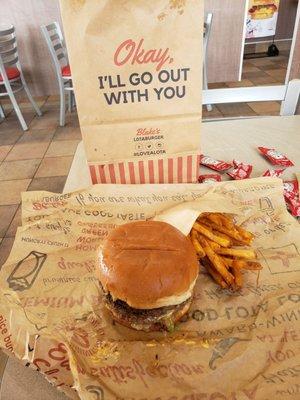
{"x":148,"y":271}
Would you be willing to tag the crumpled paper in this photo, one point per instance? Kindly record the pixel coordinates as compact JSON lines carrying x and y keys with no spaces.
{"x":233,"y":346}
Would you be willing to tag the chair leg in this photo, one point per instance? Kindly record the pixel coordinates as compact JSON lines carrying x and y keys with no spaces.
{"x":70,"y":101}
{"x":2,"y":115}
{"x":34,"y":105}
{"x":16,"y":107}
{"x":62,"y":118}
{"x":205,"y":86}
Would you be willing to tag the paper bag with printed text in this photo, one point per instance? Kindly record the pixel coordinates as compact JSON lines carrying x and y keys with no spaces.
{"x":137,"y":72}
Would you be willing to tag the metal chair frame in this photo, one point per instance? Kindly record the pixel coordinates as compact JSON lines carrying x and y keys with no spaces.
{"x":206,"y":35}
{"x":56,"y":46}
{"x":9,"y":87}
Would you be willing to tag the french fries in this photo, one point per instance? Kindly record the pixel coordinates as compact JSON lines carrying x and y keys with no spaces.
{"x":241,"y":253}
{"x":217,"y":262}
{"x":224,"y":242}
{"x":213,"y":235}
{"x":196,"y":244}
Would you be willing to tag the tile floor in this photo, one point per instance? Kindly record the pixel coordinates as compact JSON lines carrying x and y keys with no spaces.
{"x":40,"y":158}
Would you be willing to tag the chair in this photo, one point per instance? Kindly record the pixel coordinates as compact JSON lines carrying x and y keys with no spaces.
{"x":11,"y":76}
{"x":287,"y":94}
{"x":56,"y":46}
{"x":206,"y":35}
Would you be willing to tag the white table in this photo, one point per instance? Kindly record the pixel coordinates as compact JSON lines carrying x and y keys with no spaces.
{"x":226,"y":140}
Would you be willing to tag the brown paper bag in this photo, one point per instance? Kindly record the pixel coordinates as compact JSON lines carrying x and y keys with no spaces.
{"x":137,"y":73}
{"x":231,"y":346}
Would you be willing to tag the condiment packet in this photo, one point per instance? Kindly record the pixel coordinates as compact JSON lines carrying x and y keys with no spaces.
{"x":275,"y":173}
{"x":275,"y":157}
{"x":291,"y":195}
{"x":216,"y":165}
{"x":240,"y":171}
{"x":209,"y":178}
{"x":291,"y":189}
{"x":293,"y":206}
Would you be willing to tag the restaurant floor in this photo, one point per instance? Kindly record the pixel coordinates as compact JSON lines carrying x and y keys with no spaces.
{"x":40,"y":158}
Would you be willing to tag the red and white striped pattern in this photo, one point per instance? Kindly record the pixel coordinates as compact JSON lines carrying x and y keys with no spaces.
{"x":183,"y":169}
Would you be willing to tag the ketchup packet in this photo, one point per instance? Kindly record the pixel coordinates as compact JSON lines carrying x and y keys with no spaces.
{"x":275,"y":157}
{"x":291,"y":195}
{"x":291,"y":189}
{"x":211,"y":163}
{"x":274,"y":172}
{"x":240,"y":171}
{"x":209,"y":178}
{"x":293,"y":206}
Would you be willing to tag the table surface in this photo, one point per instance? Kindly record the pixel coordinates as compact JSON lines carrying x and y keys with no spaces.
{"x":227,"y":140}
{"x":224,"y":140}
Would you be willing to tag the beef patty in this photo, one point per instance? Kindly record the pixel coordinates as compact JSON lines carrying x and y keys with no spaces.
{"x":162,"y":318}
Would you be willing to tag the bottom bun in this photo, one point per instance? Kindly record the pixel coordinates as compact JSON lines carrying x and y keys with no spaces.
{"x":156,"y":319}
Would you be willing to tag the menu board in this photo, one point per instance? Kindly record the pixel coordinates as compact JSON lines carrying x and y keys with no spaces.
{"x":262,"y":18}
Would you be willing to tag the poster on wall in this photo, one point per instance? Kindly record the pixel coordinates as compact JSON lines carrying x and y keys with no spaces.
{"x":262,"y":18}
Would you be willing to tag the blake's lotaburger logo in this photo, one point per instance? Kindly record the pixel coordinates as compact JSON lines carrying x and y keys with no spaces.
{"x":131,"y":52}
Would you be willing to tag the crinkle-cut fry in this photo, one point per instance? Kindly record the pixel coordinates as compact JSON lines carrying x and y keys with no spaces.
{"x":216,"y":261}
{"x":213,"y":273}
{"x":196,"y":244}
{"x":244,"y":233}
{"x":240,"y":253}
{"x":215,"y":246}
{"x":205,"y":231}
{"x":232,"y":233}
{"x":249,"y":265}
{"x":238,"y":277}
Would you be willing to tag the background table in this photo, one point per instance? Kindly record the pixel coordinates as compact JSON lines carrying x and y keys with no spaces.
{"x":226,"y":140}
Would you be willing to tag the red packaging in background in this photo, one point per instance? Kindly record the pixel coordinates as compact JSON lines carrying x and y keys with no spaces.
{"x":209,"y":178}
{"x":291,"y":189}
{"x":240,"y":171}
{"x":293,"y":206}
{"x":275,"y":173}
{"x":216,"y":165}
{"x":291,"y":195}
{"x":275,"y":157}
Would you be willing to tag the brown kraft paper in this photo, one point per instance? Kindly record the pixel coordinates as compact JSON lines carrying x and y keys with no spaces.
{"x":137,"y":72}
{"x":234,"y":346}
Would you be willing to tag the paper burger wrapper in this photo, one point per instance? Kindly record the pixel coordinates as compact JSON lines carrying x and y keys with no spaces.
{"x":231,"y":345}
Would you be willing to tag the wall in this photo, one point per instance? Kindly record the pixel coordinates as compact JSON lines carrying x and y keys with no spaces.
{"x":226,"y":41}
{"x":27,"y":16}
{"x":286,"y":19}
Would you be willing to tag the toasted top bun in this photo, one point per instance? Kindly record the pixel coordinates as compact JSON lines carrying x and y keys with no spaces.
{"x":148,"y":264}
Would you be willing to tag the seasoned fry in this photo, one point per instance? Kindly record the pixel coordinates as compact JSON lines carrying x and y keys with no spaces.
{"x":241,"y":253}
{"x":214,"y":217}
{"x":232,"y":233}
{"x":196,"y":244}
{"x":216,"y":261}
{"x":245,"y":234}
{"x":215,"y":246}
{"x":238,"y":277}
{"x":250,"y":265}
{"x":221,"y":220}
{"x":205,"y":231}
{"x":227,"y":261}
{"x":213,"y":235}
{"x":214,"y":274}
